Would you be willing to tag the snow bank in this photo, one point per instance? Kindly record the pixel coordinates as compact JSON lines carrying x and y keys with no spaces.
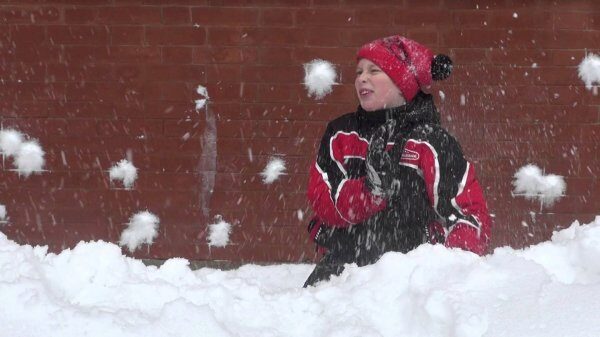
{"x":550,"y":289}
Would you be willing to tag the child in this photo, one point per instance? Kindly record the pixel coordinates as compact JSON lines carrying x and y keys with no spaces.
{"x":388,"y":177}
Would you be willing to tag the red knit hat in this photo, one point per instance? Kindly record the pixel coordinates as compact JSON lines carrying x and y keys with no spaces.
{"x":408,"y":63}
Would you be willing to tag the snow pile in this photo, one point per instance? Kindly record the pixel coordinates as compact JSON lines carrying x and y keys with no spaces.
{"x":218,"y":233}
{"x":531,"y":183}
{"x":275,"y":167}
{"x":201,"y":102}
{"x":28,"y":155}
{"x":124,"y":171}
{"x":2,"y":213}
{"x":589,"y":70}
{"x":142,"y":228}
{"x":319,"y":76}
{"x":547,"y":290}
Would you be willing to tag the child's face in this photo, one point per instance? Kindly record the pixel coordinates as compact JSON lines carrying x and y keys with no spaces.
{"x":374,"y":88}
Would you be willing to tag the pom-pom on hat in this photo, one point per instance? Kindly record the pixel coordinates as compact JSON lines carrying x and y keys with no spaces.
{"x":409,"y":64}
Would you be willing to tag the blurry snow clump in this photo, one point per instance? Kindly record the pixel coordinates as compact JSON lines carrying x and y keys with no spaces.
{"x":142,"y":228}
{"x":589,"y":70}
{"x":28,"y":155}
{"x":124,"y":171}
{"x":10,"y":141}
{"x":319,"y":76}
{"x":2,"y":213}
{"x":531,"y":183}
{"x":201,"y":90}
{"x":218,"y":233}
{"x":273,"y":170}
{"x":29,"y":158}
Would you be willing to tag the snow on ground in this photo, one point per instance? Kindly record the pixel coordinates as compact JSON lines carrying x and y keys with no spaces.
{"x":551,"y":289}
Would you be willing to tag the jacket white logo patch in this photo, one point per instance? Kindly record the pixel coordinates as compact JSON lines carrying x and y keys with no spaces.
{"x":409,"y":155}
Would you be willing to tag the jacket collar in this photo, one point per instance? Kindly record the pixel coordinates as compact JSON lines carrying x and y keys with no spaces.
{"x":420,"y":110}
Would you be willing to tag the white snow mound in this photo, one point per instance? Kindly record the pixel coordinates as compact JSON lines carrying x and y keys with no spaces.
{"x":431,"y":291}
{"x":319,"y":77}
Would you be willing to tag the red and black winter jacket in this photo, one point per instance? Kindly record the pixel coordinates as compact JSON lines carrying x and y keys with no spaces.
{"x":439,"y":199}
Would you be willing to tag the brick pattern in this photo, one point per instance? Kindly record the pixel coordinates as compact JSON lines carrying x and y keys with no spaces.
{"x":97,"y":80}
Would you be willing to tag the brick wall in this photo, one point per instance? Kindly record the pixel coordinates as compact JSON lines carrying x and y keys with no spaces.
{"x":101,"y":80}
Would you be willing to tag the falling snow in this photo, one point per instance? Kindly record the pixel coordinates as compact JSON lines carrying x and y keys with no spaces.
{"x":29,"y":158}
{"x":589,"y":70}
{"x":531,"y":183}
{"x":218,"y":233}
{"x":125,"y":172}
{"x":10,"y":141}
{"x":142,"y":228}
{"x":273,"y":170}
{"x":319,"y":77}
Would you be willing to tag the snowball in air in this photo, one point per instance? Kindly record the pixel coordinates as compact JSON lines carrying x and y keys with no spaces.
{"x":10,"y":141}
{"x":142,"y":228}
{"x":2,"y":212}
{"x":589,"y":70}
{"x":29,"y":158}
{"x":273,"y":170}
{"x":124,"y":171}
{"x":319,"y":76}
{"x":201,"y":90}
{"x":218,"y":233}
{"x":533,"y":184}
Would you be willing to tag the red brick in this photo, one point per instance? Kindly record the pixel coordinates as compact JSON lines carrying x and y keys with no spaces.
{"x":216,"y":54}
{"x":225,"y":16}
{"x":187,"y":36}
{"x":80,"y":35}
{"x":126,"y":35}
{"x":80,"y":15}
{"x":221,"y":36}
{"x":134,"y":54}
{"x":129,"y":15}
{"x":324,"y":17}
{"x":572,"y":20}
{"x":176,"y":15}
{"x":29,"y":16}
{"x":22,"y":34}
{"x":277,"y":17}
